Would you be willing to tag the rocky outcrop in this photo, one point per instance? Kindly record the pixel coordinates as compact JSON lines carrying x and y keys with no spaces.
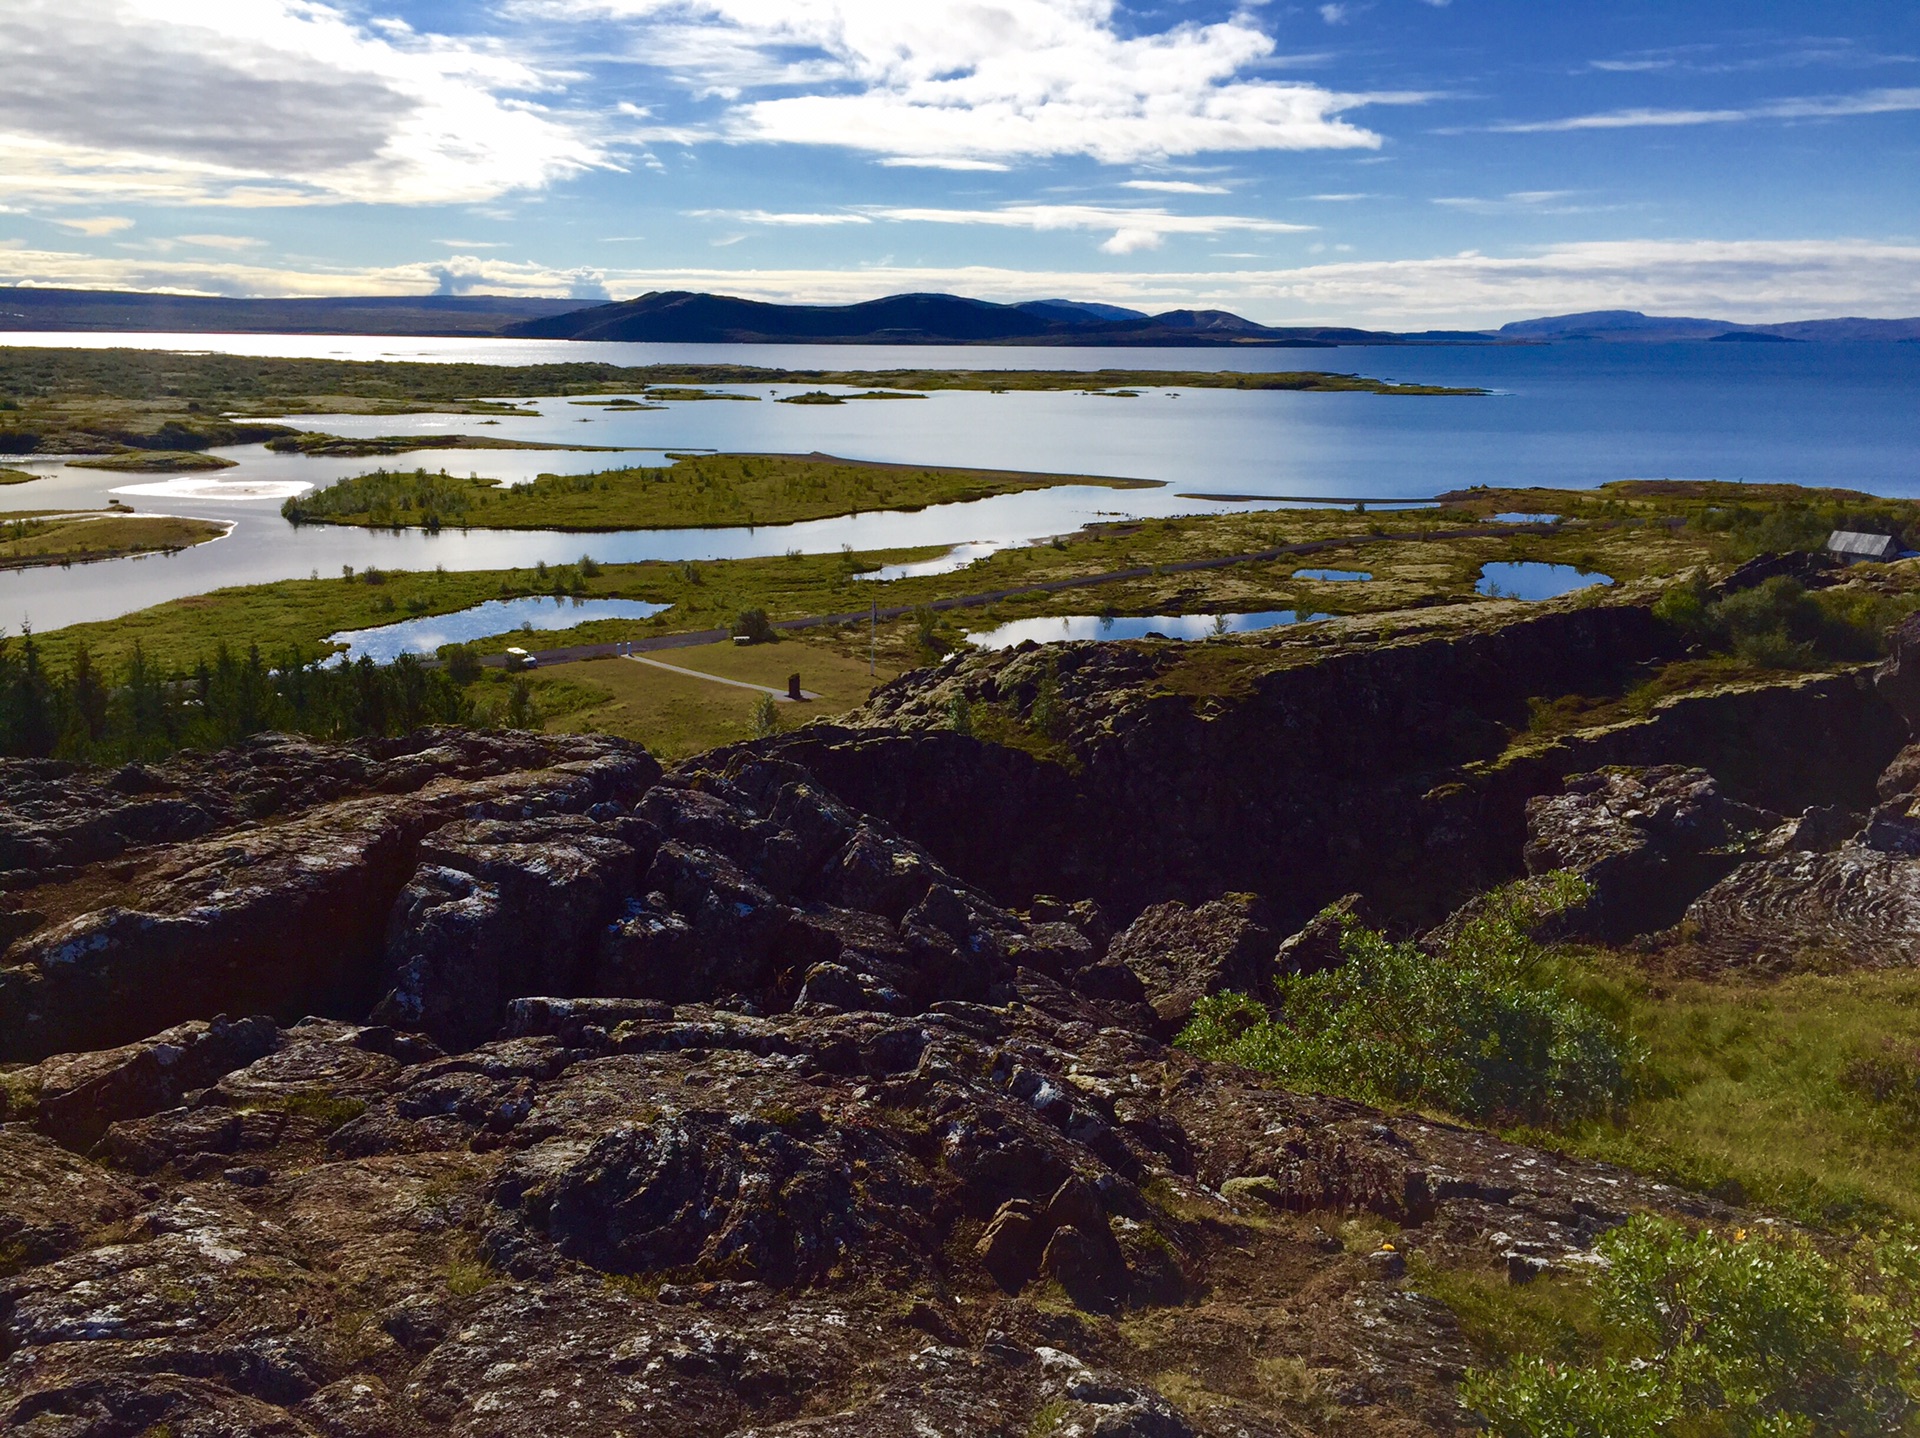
{"x":1647,"y":842}
{"x":1316,"y":763}
{"x":704,"y":1103}
{"x":689,"y":1220}
{"x":281,"y":918}
{"x":1182,"y":955}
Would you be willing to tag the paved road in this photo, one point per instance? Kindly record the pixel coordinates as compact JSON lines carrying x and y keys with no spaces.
{"x":1050,"y":586}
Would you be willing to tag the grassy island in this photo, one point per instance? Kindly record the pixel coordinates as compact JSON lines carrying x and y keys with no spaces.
{"x":39,"y":538}
{"x":695,"y":491}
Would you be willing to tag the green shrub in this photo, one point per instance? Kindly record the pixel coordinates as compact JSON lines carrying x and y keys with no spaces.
{"x":1779,"y":625}
{"x":1728,"y":1335}
{"x":766,"y":717}
{"x":753,"y":626}
{"x":1484,"y":1029}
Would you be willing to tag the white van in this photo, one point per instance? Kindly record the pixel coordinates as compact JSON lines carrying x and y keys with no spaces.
{"x":520,"y":659}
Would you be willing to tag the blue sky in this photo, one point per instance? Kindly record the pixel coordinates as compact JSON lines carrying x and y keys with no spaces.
{"x":1380,"y":162}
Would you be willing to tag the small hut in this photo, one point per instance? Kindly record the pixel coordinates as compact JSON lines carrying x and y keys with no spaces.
{"x":1853,"y":547}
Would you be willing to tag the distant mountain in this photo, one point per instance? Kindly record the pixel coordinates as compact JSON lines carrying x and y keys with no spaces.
{"x":682,"y":317}
{"x":22,"y":308}
{"x":1098,"y":311}
{"x":1630,"y":326}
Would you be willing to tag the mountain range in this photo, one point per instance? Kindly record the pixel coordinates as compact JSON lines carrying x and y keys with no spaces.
{"x":684,"y":317}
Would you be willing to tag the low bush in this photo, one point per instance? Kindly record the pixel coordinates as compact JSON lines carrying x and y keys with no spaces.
{"x":1727,"y":1334}
{"x":1484,"y":1029}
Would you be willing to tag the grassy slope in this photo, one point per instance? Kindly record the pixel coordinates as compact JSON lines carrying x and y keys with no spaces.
{"x":694,"y":492}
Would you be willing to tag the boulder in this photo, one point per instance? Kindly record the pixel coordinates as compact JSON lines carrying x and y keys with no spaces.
{"x":1316,"y":947}
{"x":74,"y":1098}
{"x":1855,"y":907}
{"x":500,"y":909}
{"x":1647,"y":841}
{"x":1181,"y":955}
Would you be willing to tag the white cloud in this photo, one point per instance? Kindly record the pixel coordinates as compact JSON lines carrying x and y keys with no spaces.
{"x":97,"y":225}
{"x":953,"y":82}
{"x":782,"y":217}
{"x":1174,"y":187}
{"x":235,"y":243}
{"x":1132,"y":228}
{"x":1816,"y":107}
{"x":262,"y":102}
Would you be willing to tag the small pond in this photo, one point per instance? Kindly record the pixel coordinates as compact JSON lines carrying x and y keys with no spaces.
{"x":1058,"y":628}
{"x":1516,"y":517}
{"x":1334,"y":576}
{"x":1533,"y":579}
{"x":959,"y":557}
{"x":495,"y":616}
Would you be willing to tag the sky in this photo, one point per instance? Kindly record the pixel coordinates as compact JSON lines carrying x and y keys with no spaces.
{"x":1396,"y":163}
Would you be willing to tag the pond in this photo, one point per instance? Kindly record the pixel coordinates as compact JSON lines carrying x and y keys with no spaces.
{"x":1059,"y":628}
{"x":495,"y":616}
{"x":1514,"y":516}
{"x":1334,"y":576}
{"x":1532,"y":579}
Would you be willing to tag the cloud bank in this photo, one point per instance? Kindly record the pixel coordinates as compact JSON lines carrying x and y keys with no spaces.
{"x":264,"y":102}
{"x":963,"y":84}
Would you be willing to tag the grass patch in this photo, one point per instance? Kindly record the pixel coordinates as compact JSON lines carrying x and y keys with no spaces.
{"x":1797,"y":1094}
{"x":695,"y":491}
{"x":676,"y":715}
{"x":1554,"y":1317}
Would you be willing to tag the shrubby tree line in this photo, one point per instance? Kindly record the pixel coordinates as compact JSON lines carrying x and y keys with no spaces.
{"x":85,"y":711}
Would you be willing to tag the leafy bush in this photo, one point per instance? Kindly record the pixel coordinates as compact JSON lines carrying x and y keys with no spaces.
{"x":1728,"y":1335}
{"x":753,"y":626}
{"x":766,"y":717}
{"x":1484,"y":1029}
{"x":1779,"y":625}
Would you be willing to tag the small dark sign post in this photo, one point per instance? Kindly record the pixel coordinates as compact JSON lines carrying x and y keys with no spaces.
{"x":793,"y":687}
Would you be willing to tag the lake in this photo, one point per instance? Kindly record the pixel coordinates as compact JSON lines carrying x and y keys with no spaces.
{"x":1562,"y":416}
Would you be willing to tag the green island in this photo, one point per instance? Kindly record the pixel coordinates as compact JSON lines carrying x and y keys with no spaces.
{"x":156,"y":461}
{"x":694,"y":491}
{"x":73,"y":401}
{"x":40,"y":537}
{"x":343,"y":447}
{"x":16,"y":476}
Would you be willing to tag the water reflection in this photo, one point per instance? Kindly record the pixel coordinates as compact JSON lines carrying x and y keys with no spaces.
{"x":1532,"y":579}
{"x":1057,"y":629}
{"x":483,"y":621}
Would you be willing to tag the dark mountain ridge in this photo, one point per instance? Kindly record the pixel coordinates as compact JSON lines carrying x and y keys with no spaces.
{"x":684,"y":317}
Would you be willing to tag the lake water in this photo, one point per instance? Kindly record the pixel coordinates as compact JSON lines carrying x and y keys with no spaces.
{"x":1562,"y":416}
